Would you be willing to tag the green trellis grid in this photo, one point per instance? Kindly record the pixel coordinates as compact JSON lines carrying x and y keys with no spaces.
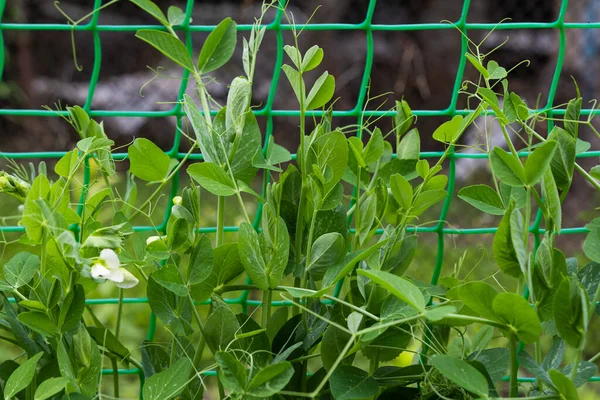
{"x":267,"y":111}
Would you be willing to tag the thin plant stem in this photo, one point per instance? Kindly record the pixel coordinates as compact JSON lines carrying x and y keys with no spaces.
{"x":220,"y":219}
{"x":115,"y":368}
{"x":119,"y":313}
{"x":514,"y":367}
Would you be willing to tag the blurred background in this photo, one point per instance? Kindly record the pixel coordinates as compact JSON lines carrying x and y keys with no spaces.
{"x":38,"y":69}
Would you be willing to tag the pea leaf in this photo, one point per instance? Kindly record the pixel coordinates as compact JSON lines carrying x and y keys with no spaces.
{"x":591,"y":245}
{"x":515,"y":311}
{"x":38,"y":322}
{"x":570,"y":311}
{"x":169,"y":383}
{"x":21,"y":377}
{"x":449,"y":131}
{"x":148,"y":161}
{"x":50,"y":387}
{"x":238,"y":101}
{"x":563,"y":385}
{"x":212,"y":178}
{"x":327,"y":250}
{"x":151,"y":8}
{"x":176,"y":312}
{"x":71,"y":310}
{"x":348,"y":382}
{"x":399,"y":287}
{"x":477,"y":64}
{"x":296,"y":81}
{"x":168,"y":45}
{"x":220,"y":328}
{"x":168,"y":276}
{"x":401,"y":190}
{"x":21,"y":269}
{"x":251,"y":256}
{"x":479,"y":297}
{"x":321,"y":92}
{"x":496,"y":71}
{"x":410,"y":145}
{"x":232,"y":373}
{"x":312,"y":58}
{"x":504,"y":251}
{"x":270,"y":380}
{"x":461,"y":373}
{"x":563,"y":161}
{"x":552,"y":199}
{"x":538,"y":161}
{"x":483,"y":198}
{"x":507,"y":168}
{"x":175,"y":15}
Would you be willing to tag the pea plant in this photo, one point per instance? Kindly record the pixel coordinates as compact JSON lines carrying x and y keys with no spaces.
{"x":329,"y":245}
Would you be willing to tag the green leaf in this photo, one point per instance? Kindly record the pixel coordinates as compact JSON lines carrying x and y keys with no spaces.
{"x":461,"y":373}
{"x":595,"y":172}
{"x":591,"y":245}
{"x":201,"y":262}
{"x":50,"y":387}
{"x":169,"y":277}
{"x":572,"y":114}
{"x":552,"y":199}
{"x":105,"y":338}
{"x":71,"y":310}
{"x":563,"y":161}
{"x":251,"y":256}
{"x":329,"y":152}
{"x":238,"y":101}
{"x":169,"y":383}
{"x":21,"y":269}
{"x":21,"y":377}
{"x":477,"y":64}
{"x":515,"y":311}
{"x":491,"y":99}
{"x":449,"y":131}
{"x":401,"y":190}
{"x":218,"y":47}
{"x":212,"y":178}
{"x":368,"y":210}
{"x":227,"y":266}
{"x":570,"y":311}
{"x":312,"y":59}
{"x":67,"y":164}
{"x":507,"y":168}
{"x":479,"y":297}
{"x":504,"y":251}
{"x":356,"y":146}
{"x":321,"y":92}
{"x":296,"y":81}
{"x":440,"y":312}
{"x":176,"y":312}
{"x":148,"y":161}
{"x":496,"y":71}
{"x":563,"y":385}
{"x":220,"y":329}
{"x":399,"y":287}
{"x":232,"y":373}
{"x":410,"y":145}
{"x":294,"y":55}
{"x":514,"y":108}
{"x":175,"y":16}
{"x":496,"y":361}
{"x":538,"y":161}
{"x":483,"y":198}
{"x":427,"y":199}
{"x":168,"y":45}
{"x":348,"y":382}
{"x":38,"y":322}
{"x":327,"y":250}
{"x":270,"y":380}
{"x":152,"y":9}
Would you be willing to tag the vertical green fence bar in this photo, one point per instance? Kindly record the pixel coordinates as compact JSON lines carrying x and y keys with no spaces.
{"x":269,"y":112}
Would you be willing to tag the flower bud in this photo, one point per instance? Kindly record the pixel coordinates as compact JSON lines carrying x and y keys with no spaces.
{"x":177,"y":200}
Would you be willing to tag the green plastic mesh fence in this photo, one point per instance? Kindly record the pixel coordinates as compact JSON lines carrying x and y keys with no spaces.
{"x":279,"y":26}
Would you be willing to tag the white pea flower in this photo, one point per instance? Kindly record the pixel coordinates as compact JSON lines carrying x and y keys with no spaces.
{"x":177,"y":200}
{"x":108,"y":267}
